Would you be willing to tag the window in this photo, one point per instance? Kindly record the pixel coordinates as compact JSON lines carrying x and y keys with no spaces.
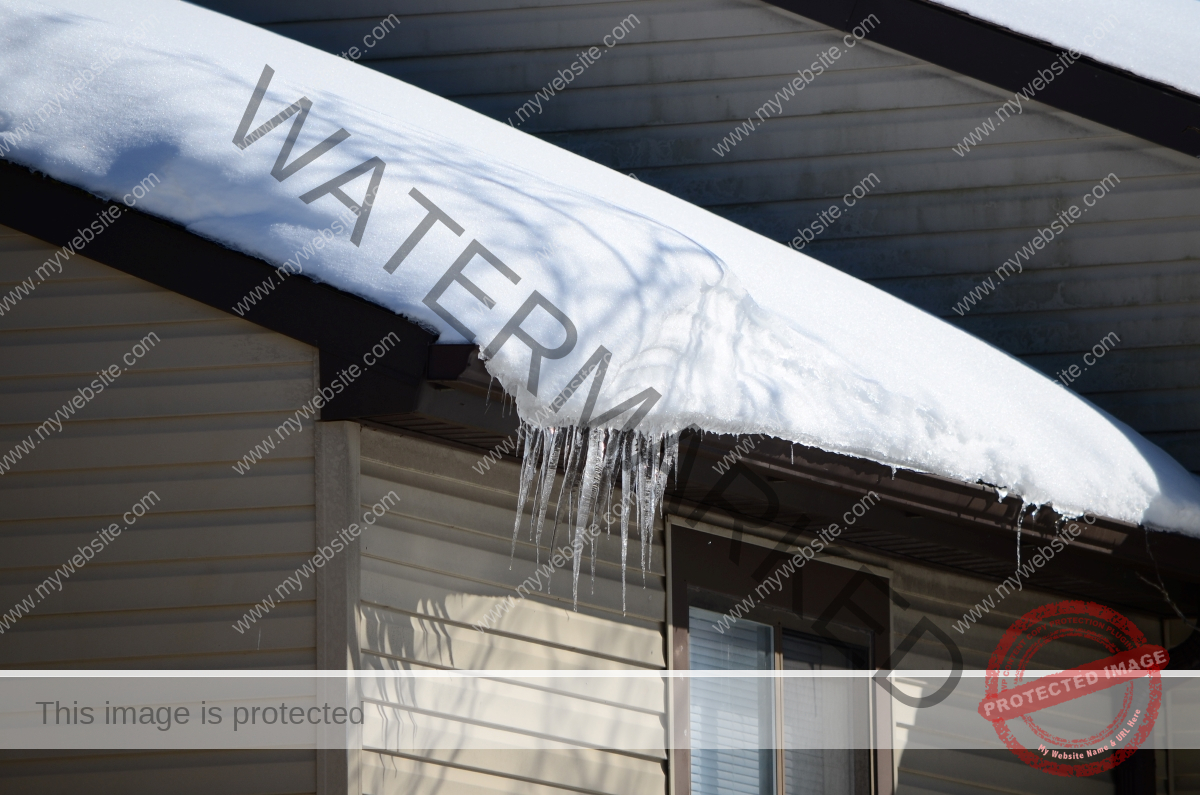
{"x":735,"y":721}
{"x":773,"y":735}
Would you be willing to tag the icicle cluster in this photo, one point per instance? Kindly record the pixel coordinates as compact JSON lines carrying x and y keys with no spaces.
{"x":595,"y":463}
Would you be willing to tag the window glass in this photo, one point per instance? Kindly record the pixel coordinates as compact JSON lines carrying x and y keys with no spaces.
{"x":732,"y":719}
{"x":816,"y":716}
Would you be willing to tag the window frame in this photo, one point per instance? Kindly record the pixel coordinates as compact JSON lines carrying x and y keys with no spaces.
{"x":707,"y":568}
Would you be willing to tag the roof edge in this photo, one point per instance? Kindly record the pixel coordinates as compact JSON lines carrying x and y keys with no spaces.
{"x":1004,"y":58}
{"x":340,"y":325}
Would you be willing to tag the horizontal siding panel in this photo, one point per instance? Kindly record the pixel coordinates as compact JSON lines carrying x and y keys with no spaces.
{"x":639,"y":64}
{"x":188,"y":773}
{"x":1162,"y":411}
{"x":870,"y":134}
{"x":1026,"y":208}
{"x":102,"y":587}
{"x":21,"y":256}
{"x":836,"y":92}
{"x":167,"y":591}
{"x":212,"y":343}
{"x":1080,"y":329}
{"x":487,"y":559}
{"x":1157,"y":240}
{"x":138,"y":639}
{"x":439,"y":561}
{"x":157,"y":442}
{"x":161,"y":537}
{"x":1183,"y":446}
{"x":567,"y":26}
{"x":1166,"y":368}
{"x":570,"y":767}
{"x":464,"y":507}
{"x":441,"y":644}
{"x":1057,"y":289}
{"x":96,"y":303}
{"x":263,"y":12}
{"x":182,"y":488}
{"x":141,"y":394}
{"x":388,"y":773}
{"x":599,"y":713}
{"x":829,"y":178}
{"x":435,"y":595}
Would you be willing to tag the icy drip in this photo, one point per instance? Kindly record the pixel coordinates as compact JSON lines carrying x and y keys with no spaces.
{"x":1020,"y":516}
{"x":590,"y":461}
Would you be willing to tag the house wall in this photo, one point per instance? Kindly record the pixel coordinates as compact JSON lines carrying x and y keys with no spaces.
{"x":165,"y":593}
{"x":934,"y":226}
{"x":437,"y":563}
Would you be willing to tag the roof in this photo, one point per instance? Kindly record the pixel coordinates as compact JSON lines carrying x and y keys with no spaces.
{"x":550,"y":262}
{"x":1133,"y":67}
{"x":1154,"y":39}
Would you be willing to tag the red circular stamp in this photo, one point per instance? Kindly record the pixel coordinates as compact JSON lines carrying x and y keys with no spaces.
{"x":1115,"y":698}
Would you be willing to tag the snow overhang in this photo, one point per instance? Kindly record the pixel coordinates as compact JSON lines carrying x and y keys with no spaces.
{"x":553,"y":264}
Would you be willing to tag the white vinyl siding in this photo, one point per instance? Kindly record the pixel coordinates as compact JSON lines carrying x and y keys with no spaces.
{"x":437,"y":563}
{"x":165,"y":592}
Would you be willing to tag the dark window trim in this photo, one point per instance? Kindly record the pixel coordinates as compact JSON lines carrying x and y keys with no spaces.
{"x":726,"y":566}
{"x":998,"y":56}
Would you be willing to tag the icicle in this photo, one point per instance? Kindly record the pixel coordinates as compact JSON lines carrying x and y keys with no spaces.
{"x":670,"y":461}
{"x":589,"y":487}
{"x":1020,"y":516}
{"x":566,"y":492}
{"x":612,"y":442}
{"x":528,"y":465}
{"x":546,"y":485}
{"x":627,"y":443}
{"x":591,"y":462}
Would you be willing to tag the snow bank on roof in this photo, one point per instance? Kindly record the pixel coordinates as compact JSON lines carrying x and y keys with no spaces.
{"x":1156,"y":39}
{"x":736,"y":333}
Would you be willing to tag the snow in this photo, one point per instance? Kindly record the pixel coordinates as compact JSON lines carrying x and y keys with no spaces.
{"x":1155,"y":39}
{"x":734,"y":333}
